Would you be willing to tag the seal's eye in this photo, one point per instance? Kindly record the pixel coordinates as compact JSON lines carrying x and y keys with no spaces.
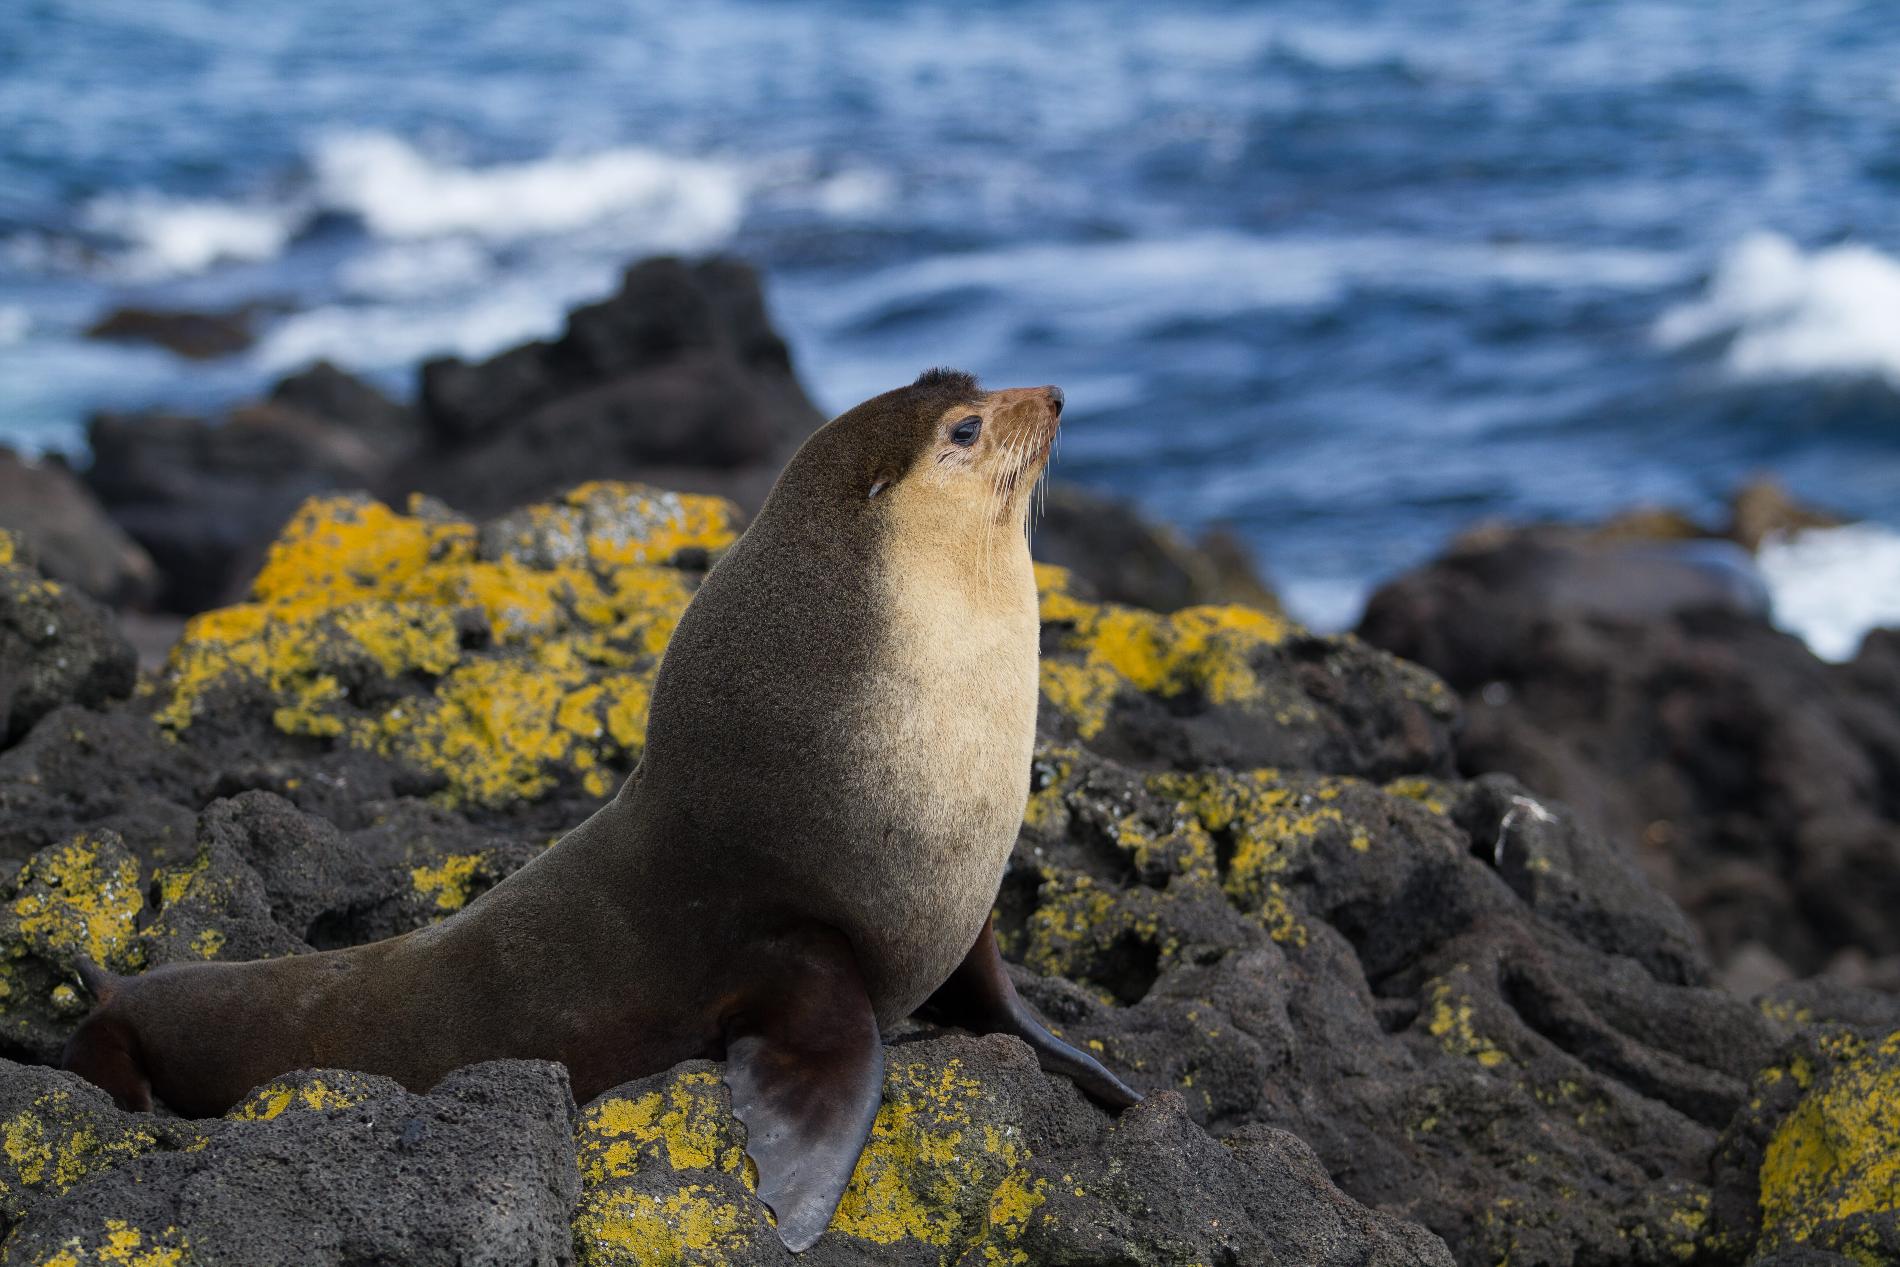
{"x":966,"y":432}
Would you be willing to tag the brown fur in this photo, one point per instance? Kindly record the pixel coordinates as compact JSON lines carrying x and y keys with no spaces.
{"x":839,"y":737}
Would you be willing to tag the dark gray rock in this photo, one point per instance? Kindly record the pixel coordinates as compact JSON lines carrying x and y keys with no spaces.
{"x":341,"y":1171}
{"x":1755,"y":783}
{"x":69,"y":534}
{"x":56,"y":645}
{"x":678,"y":379}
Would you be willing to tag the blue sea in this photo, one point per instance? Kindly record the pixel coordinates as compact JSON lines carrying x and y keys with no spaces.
{"x":1346,"y":276}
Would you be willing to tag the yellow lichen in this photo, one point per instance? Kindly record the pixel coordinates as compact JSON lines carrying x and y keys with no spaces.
{"x":1449,"y":1020}
{"x":1833,"y":1157}
{"x":1099,"y":651}
{"x":449,"y":883}
{"x":122,"y":1245}
{"x":577,"y":605}
{"x":927,"y":1157}
{"x":681,"y":1128}
{"x":316,"y":1095}
{"x":56,"y":1142}
{"x":74,"y":901}
{"x":694,"y":1225}
{"x":1427,"y":792}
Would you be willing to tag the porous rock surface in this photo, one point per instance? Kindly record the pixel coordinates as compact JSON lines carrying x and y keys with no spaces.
{"x":1756,"y":784}
{"x":1374,"y":1004}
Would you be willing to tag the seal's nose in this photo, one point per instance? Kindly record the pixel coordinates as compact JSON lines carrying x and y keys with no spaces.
{"x":1055,"y":400}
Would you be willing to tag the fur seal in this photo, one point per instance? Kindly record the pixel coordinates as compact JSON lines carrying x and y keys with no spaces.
{"x":838,"y":754}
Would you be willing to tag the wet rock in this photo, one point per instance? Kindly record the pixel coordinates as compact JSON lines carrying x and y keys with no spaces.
{"x":69,"y":534}
{"x":1115,"y":554}
{"x":678,"y":378}
{"x":1762,"y":508}
{"x":56,"y":645}
{"x":314,"y":1169}
{"x":336,"y":396}
{"x":196,"y":336}
{"x":1752,"y":780}
{"x":203,"y":497}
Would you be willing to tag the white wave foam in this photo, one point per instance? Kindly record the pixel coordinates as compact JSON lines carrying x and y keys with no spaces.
{"x":14,"y":325}
{"x":408,"y":269}
{"x":169,"y":236}
{"x":678,"y":203}
{"x":1789,"y":313}
{"x":1831,"y":585}
{"x":1324,"y":604}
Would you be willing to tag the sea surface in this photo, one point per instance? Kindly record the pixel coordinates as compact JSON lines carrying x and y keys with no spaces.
{"x":1346,"y":276}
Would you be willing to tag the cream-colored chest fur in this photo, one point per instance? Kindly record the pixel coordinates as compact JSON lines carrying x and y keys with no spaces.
{"x":947,"y":740}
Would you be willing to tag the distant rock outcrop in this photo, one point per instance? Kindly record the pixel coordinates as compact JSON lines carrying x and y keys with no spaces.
{"x":1640,"y":682}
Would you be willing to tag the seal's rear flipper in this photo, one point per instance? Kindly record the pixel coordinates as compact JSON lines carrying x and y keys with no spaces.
{"x":104,"y":1051}
{"x":807,"y":1073}
{"x":980,"y":997}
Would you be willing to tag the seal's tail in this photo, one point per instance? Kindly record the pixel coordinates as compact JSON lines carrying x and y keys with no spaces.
{"x":104,"y":1050}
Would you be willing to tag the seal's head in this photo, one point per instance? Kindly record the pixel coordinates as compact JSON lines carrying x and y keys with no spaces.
{"x":943,"y":448}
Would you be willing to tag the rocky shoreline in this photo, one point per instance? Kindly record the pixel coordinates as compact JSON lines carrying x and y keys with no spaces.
{"x":1397,"y":945}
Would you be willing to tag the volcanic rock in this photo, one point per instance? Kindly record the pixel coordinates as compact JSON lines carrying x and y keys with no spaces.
{"x":66,"y":530}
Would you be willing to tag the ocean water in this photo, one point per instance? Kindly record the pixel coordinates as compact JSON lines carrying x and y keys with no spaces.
{"x":1345,"y":276}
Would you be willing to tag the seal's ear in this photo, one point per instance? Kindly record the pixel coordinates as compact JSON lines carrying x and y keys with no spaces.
{"x":806,"y":1071}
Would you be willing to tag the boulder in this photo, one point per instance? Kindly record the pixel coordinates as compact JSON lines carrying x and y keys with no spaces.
{"x":204,"y":497}
{"x":976,"y":1156}
{"x":319,"y":1169}
{"x":56,"y":645}
{"x":63,"y":526}
{"x":1752,"y":780}
{"x":677,"y":378}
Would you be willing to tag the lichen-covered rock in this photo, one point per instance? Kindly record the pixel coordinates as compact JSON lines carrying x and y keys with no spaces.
{"x":1479,"y":1016}
{"x":56,"y":645}
{"x":491,"y":670}
{"x":976,"y":1157}
{"x":256,"y":878}
{"x":316,"y":1170}
{"x":1812,"y":1163}
{"x":1248,"y":877}
{"x":1233,"y":686}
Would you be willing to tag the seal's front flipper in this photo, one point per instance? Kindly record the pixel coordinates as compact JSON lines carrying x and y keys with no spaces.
{"x":807,"y":1073}
{"x":980,"y":997}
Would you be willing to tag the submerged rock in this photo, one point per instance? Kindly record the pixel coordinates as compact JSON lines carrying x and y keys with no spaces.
{"x":196,"y":336}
